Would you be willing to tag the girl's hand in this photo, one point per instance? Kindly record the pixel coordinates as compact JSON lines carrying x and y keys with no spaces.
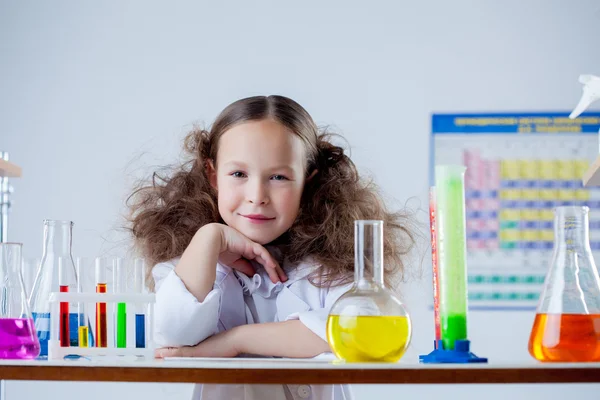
{"x":223,"y":344}
{"x":237,"y":249}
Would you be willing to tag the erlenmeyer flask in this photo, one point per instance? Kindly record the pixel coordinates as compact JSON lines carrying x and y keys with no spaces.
{"x":17,"y":333}
{"x":57,"y":245}
{"x":567,"y":324}
{"x":368,"y":323}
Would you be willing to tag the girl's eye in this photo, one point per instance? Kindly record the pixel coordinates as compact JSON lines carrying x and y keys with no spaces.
{"x":279,"y":178}
{"x":238,"y":174}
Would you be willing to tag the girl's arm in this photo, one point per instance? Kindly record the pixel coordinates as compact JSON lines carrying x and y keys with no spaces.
{"x":300,"y":334}
{"x":279,"y":339}
{"x":196,"y":268}
{"x":193,"y":299}
{"x":213,"y":242}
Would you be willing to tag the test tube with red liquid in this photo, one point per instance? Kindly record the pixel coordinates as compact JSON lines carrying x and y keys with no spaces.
{"x":63,"y":284}
{"x":434,"y":262}
{"x":101,"y":331}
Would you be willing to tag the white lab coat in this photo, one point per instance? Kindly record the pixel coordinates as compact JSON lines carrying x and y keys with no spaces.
{"x":181,"y":320}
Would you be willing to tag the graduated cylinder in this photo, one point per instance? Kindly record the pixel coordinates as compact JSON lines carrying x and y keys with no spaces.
{"x":451,"y":253}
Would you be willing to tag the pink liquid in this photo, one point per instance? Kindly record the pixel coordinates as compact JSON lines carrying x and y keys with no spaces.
{"x":18,"y":339}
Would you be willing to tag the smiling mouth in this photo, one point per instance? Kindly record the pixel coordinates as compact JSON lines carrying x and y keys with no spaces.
{"x":257,"y":218}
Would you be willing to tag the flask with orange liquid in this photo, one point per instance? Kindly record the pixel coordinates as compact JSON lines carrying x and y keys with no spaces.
{"x":567,"y":324}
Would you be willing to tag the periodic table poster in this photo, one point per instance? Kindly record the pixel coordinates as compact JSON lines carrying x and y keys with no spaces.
{"x":519,"y":168}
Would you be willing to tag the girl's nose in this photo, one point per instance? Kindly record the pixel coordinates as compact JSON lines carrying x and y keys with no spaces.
{"x":257,"y":194}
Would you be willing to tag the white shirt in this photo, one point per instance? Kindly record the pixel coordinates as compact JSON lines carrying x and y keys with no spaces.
{"x":181,"y":320}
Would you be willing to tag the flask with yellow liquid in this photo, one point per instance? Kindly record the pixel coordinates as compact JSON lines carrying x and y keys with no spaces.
{"x":368,"y":323}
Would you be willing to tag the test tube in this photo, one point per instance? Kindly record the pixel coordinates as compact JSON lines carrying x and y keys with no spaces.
{"x":120,"y":282}
{"x":81,"y":314}
{"x":63,"y":284}
{"x":140,"y":315}
{"x":451,"y":253}
{"x":101,"y":334}
{"x":434,"y":262}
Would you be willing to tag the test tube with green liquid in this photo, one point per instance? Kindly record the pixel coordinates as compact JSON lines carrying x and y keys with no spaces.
{"x":120,"y":287}
{"x":451,"y":253}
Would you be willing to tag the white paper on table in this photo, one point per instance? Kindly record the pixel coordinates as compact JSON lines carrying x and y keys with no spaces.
{"x":325,"y":357}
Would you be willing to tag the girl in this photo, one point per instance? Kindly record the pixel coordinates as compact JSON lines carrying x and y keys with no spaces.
{"x":252,"y":241}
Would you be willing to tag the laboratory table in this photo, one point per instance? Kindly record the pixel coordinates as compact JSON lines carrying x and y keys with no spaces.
{"x":269,"y":371}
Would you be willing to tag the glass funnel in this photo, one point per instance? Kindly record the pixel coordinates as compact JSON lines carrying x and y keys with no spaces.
{"x":18,"y":339}
{"x":368,"y":323}
{"x":57,"y":249}
{"x":567,"y":323}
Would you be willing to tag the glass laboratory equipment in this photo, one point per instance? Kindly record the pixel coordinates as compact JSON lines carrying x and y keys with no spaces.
{"x":18,"y":339}
{"x":83,"y":328}
{"x":447,"y":222}
{"x":451,"y":253}
{"x":120,"y":287}
{"x":139,"y":271}
{"x":85,"y":284}
{"x":29,"y":271}
{"x":567,"y":324}
{"x":57,"y":246}
{"x":368,"y":323}
{"x":101,"y":268}
{"x":434,"y":263}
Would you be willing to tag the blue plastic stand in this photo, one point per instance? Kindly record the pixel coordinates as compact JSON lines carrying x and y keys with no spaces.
{"x":460,"y":354}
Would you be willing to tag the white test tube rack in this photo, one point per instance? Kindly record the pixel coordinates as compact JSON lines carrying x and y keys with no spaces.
{"x":133,"y":301}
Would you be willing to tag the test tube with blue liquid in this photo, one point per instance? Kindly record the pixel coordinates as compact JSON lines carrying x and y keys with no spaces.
{"x":140,"y":313}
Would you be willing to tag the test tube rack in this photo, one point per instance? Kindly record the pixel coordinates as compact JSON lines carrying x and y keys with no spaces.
{"x":133,"y":300}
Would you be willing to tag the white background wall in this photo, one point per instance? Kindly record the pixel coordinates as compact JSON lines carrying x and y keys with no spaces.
{"x":93,"y":94}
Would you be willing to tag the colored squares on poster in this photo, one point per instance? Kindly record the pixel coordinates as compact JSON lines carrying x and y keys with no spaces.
{"x":514,"y":211}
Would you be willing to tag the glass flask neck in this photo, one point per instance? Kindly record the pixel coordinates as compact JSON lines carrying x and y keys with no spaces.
{"x":571,"y":229}
{"x":13,"y":302}
{"x":368,"y":253}
{"x":57,"y":237}
{"x":10,"y":263}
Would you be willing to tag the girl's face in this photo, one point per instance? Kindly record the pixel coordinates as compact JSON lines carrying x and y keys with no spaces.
{"x":259,"y":177}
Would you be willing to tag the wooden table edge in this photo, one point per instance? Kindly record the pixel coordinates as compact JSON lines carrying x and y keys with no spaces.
{"x":300,"y":376}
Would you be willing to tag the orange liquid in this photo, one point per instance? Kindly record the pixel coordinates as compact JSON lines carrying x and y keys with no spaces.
{"x":565,"y":337}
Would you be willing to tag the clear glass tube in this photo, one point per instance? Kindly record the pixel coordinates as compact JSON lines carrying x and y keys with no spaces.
{"x":368,"y":242}
{"x":451,"y":251}
{"x":434,"y":263}
{"x":63,"y":285}
{"x":139,"y":275}
{"x":120,"y":287}
{"x":30,"y":270}
{"x":101,"y":318}
{"x":82,"y":328}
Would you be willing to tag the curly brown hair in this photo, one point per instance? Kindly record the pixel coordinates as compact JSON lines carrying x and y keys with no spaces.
{"x":166,"y":212}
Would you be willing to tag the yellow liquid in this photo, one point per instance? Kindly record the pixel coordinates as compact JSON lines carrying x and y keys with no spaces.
{"x":368,"y":338}
{"x":83,"y":336}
